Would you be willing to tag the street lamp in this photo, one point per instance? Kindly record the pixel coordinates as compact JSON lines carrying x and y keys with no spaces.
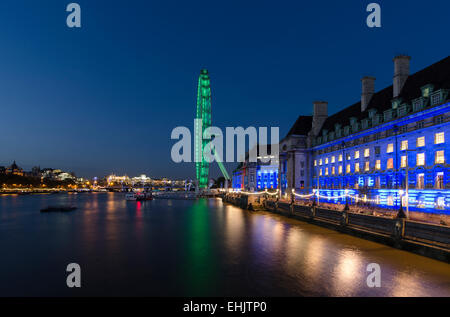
{"x":318,"y":189}
{"x":346,"y":208}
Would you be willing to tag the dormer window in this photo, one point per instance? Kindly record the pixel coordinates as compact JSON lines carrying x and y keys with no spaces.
{"x":436,"y":98}
{"x":372,"y":113}
{"x":377,"y":119}
{"x":331,"y":136}
{"x":365,"y":123}
{"x":387,"y":115}
{"x":418,"y":104}
{"x":396,"y":103}
{"x":402,"y":110}
{"x":346,"y":130}
{"x":427,"y":90}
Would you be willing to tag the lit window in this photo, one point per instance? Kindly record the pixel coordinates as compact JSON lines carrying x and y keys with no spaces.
{"x":390,"y":163}
{"x":366,"y":152}
{"x":366,"y":166}
{"x":420,"y":181}
{"x":403,"y":161}
{"x":356,"y":167}
{"x":390,"y":201}
{"x":349,"y":157}
{"x":340,"y":157}
{"x":320,"y":162}
{"x":333,"y":170}
{"x":340,"y":169}
{"x":377,"y":164}
{"x":315,"y":162}
{"x":356,"y":154}
{"x":439,"y":181}
{"x":420,"y":159}
{"x":390,"y":148}
{"x":326,"y":160}
{"x":404,"y":145}
{"x":439,"y":138}
{"x":333,"y":159}
{"x":420,"y":141}
{"x":320,"y":172}
{"x":326,"y":171}
{"x":347,"y":170}
{"x":439,"y":157}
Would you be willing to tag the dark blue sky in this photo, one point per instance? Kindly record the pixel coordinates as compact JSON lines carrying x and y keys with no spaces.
{"x":104,"y":98}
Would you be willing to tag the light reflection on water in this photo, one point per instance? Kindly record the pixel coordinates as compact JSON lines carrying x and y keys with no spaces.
{"x":203,"y":247}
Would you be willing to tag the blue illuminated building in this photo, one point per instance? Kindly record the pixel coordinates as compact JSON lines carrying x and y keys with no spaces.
{"x":259,"y":175}
{"x":371,"y":146}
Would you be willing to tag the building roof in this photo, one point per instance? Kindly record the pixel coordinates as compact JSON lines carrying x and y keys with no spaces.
{"x":268,"y":149}
{"x":437,"y":74}
{"x":302,"y":126}
{"x":14,"y":166}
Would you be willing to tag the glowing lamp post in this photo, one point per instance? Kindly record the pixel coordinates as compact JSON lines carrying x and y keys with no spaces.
{"x":346,"y":200}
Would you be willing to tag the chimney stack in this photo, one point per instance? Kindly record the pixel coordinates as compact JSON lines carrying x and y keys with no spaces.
{"x":367,"y":91}
{"x":401,"y":73}
{"x":319,"y":116}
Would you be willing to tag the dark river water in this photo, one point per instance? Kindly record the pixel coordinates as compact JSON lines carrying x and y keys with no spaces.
{"x":192,"y":248}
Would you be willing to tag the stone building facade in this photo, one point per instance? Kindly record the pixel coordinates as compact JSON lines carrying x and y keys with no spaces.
{"x":372,"y":146}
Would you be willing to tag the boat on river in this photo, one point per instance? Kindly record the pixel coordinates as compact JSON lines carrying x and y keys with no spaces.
{"x":139,"y":196}
{"x":63,"y":208}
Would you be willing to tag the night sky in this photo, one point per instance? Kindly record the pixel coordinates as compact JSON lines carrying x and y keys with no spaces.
{"x":105,"y":98}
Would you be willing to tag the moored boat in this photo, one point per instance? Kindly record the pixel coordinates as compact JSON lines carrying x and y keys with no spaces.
{"x":130,"y":196}
{"x":139,"y":196}
{"x":63,"y":208}
{"x":144,"y":196}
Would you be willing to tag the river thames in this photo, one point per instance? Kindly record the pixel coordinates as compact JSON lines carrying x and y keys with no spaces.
{"x":192,"y":248}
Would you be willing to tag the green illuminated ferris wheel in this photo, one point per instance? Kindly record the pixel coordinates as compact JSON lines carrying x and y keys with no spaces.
{"x":203,"y":113}
{"x":202,"y":123}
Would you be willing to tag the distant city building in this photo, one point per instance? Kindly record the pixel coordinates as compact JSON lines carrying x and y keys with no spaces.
{"x":36,"y":172}
{"x":47,"y":173}
{"x":180,"y":183}
{"x":142,"y":179}
{"x":14,"y":169}
{"x":118,"y":179}
{"x":371,"y":146}
{"x":54,"y":174}
{"x":64,"y":176}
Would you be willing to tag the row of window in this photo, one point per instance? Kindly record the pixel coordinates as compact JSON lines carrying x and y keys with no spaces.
{"x":376,"y":182}
{"x":439,"y":138}
{"x":377,"y":136}
{"x":439,"y":158}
